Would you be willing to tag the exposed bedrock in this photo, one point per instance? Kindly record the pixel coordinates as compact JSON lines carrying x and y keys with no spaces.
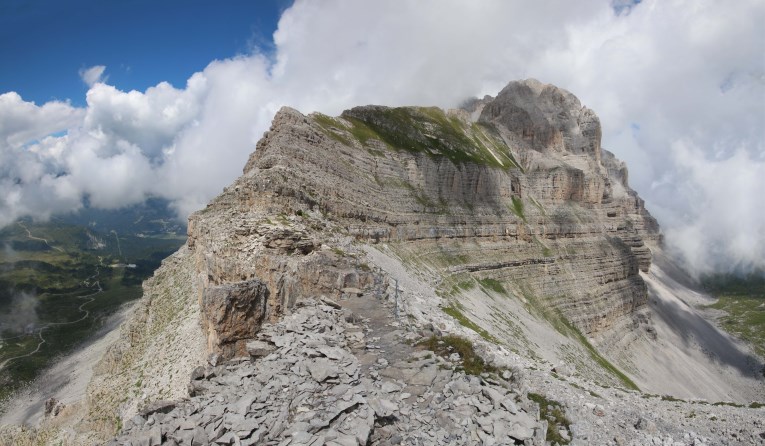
{"x":523,"y":194}
{"x":232,"y":312}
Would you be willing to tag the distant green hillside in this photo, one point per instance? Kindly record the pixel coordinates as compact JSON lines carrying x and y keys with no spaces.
{"x":60,"y":281}
{"x":743,"y":298}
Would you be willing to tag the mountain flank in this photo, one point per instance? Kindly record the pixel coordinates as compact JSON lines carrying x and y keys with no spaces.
{"x":411,"y":275}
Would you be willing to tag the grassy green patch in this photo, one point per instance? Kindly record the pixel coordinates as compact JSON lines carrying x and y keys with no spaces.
{"x":467,"y":323}
{"x":743,"y":299}
{"x":493,"y":285}
{"x":546,"y":251}
{"x":330,"y":126}
{"x":466,"y":285}
{"x":472,"y":364}
{"x":455,"y":284}
{"x":517,"y":208}
{"x":429,"y":130}
{"x":448,"y":258}
{"x":725,"y":403}
{"x":553,"y":412}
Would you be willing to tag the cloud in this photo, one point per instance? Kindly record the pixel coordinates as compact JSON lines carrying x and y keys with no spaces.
{"x":21,"y":315}
{"x":93,"y":75}
{"x":22,"y":122}
{"x":723,"y":219}
{"x":678,"y":89}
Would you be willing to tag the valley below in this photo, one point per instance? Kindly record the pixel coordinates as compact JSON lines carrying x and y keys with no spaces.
{"x":60,"y":285}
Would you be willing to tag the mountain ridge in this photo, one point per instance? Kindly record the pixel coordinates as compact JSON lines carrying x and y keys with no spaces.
{"x":504,"y":223}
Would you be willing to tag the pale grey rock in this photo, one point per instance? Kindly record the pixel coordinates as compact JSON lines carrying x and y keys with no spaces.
{"x":334,"y":353}
{"x":200,"y":437}
{"x":493,"y":395}
{"x":424,"y":377}
{"x":382,"y":407}
{"x":321,"y":369}
{"x":509,"y":405}
{"x":258,"y":349}
{"x":644,"y":425}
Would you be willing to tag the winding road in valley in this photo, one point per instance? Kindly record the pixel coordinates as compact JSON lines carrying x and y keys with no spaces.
{"x":90,"y":282}
{"x":30,"y":236}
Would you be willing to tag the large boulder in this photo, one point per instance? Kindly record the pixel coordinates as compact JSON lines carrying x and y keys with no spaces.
{"x":233,"y":313}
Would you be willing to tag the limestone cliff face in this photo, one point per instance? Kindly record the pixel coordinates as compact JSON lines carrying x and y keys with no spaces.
{"x":515,"y":190}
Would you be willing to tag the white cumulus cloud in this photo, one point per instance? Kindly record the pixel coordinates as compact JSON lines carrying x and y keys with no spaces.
{"x":679,"y":87}
{"x":93,"y":75}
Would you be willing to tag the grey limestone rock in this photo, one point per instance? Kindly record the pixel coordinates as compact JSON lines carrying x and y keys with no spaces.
{"x":312,"y":390}
{"x":258,"y":349}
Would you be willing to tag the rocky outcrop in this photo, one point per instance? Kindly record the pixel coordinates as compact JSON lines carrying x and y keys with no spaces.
{"x":232,"y":312}
{"x":524,"y":195}
{"x":536,"y":116}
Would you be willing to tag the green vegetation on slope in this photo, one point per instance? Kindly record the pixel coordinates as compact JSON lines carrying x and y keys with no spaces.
{"x":493,"y":285}
{"x":571,"y":330}
{"x":454,"y":284}
{"x":517,"y":208}
{"x":566,"y":328}
{"x":743,"y":298}
{"x":467,"y":323}
{"x":58,"y":286}
{"x":472,"y":364}
{"x":420,"y":130}
{"x":553,"y":412}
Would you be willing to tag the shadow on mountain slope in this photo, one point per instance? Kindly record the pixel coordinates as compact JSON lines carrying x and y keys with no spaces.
{"x":671,"y":302}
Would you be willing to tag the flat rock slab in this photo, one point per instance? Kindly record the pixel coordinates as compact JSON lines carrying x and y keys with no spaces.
{"x":322,"y":368}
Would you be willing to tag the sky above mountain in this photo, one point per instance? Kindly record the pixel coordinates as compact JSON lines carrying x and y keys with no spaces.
{"x":112,"y":102}
{"x":46,"y":45}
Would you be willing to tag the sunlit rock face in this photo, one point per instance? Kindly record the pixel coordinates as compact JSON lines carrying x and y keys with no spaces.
{"x":515,"y":189}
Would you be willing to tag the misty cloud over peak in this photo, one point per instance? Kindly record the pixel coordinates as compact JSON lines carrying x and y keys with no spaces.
{"x":679,"y":88}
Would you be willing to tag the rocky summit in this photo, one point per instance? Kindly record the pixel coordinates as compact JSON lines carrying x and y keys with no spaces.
{"x":410,"y":275}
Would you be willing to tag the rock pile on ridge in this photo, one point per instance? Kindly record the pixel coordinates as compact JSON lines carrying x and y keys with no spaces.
{"x":305,"y":386}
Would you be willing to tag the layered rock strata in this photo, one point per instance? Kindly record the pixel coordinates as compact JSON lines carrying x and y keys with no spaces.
{"x":523,"y":195}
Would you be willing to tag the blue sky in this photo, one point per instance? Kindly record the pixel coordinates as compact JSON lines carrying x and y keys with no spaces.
{"x":45,"y":43}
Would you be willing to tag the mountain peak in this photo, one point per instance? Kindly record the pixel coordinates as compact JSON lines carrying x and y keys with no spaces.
{"x":545,"y":118}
